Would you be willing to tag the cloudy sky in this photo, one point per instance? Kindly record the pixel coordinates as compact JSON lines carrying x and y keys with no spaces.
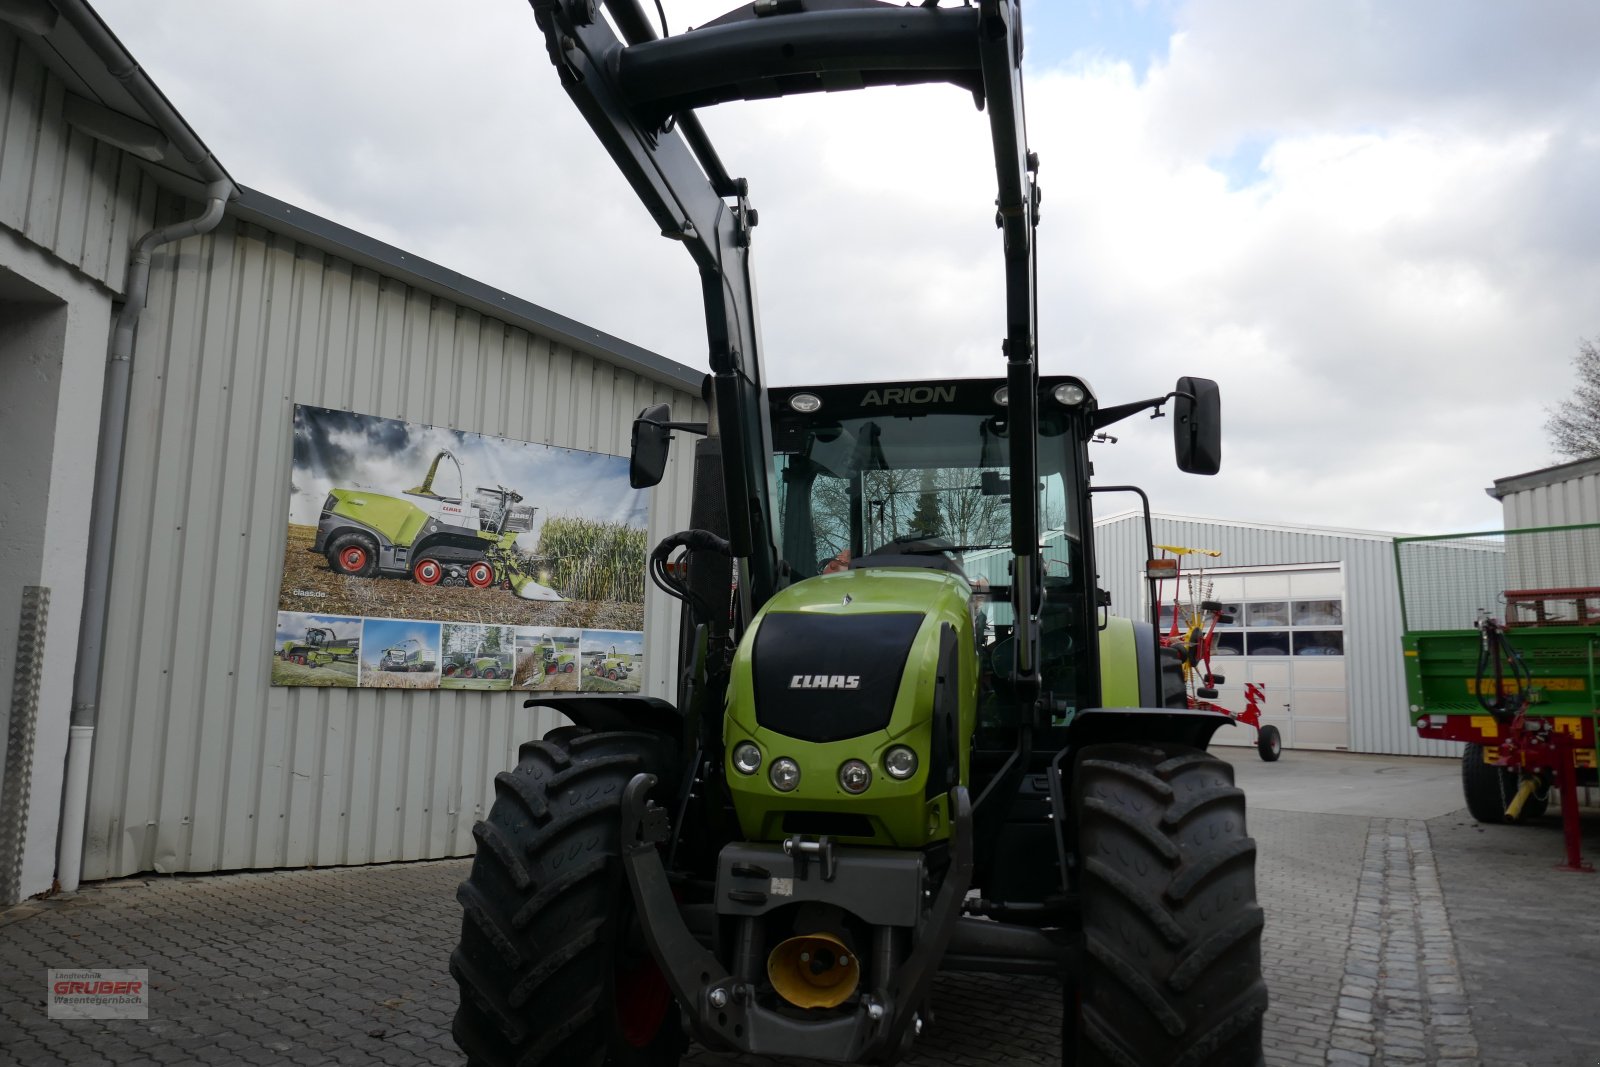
{"x":1374,"y":223}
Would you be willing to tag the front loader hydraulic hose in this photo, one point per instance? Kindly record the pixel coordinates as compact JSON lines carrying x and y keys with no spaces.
{"x":669,"y":583}
{"x":1512,"y":680}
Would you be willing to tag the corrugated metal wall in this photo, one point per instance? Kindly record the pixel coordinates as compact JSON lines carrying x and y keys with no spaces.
{"x":199,"y":763}
{"x":1375,"y":674}
{"x":1562,"y":504}
{"x":81,"y":198}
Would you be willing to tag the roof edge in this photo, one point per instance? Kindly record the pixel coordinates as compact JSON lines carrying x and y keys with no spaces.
{"x":1561,"y":472}
{"x":270,"y":213}
{"x":1325,"y":531}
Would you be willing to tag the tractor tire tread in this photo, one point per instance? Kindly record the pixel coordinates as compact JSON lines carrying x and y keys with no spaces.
{"x":1245,"y":1012}
{"x":544,"y":905}
{"x":1136,"y":983}
{"x":1195,"y":874}
{"x":549,"y":893}
{"x":1197,"y":959}
{"x":583,"y":938}
{"x":477,"y":909}
{"x":1198,"y":800}
{"x":1167,"y":768}
{"x":1145,"y":903}
{"x":489,"y":837}
{"x":1172,"y":969}
{"x":1133,"y":774}
{"x":581,"y":1016}
{"x":1152,"y":836}
{"x":527,"y":792}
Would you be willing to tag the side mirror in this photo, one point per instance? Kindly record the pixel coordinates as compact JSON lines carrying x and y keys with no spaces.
{"x":1197,"y":426}
{"x":647,"y":455}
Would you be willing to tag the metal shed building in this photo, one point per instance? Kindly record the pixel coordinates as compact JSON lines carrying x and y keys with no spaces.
{"x":1562,"y":495}
{"x":1317,"y":622}
{"x":253,"y":306}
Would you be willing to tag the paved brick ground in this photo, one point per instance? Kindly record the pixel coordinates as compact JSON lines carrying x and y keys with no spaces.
{"x":1375,"y":928}
{"x":1528,"y":938}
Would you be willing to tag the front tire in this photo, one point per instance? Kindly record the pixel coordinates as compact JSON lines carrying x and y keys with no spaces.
{"x":1269,"y":742}
{"x":551,"y":966}
{"x":1172,"y":930}
{"x":354,"y":554}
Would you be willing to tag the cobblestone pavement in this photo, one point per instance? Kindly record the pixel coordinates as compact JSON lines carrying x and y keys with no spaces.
{"x":348,"y":966}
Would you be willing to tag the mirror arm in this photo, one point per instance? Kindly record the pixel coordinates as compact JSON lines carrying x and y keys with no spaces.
{"x":1106,"y":416}
{"x":688,"y":427}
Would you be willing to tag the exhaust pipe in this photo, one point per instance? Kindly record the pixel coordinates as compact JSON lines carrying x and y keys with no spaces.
{"x":814,"y":971}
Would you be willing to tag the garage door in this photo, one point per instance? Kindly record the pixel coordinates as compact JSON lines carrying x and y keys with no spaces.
{"x":1287,"y":635}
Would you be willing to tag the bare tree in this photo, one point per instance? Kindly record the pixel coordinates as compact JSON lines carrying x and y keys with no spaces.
{"x":1574,"y":424}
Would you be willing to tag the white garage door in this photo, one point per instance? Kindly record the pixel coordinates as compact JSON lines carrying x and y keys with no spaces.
{"x":1287,"y":635}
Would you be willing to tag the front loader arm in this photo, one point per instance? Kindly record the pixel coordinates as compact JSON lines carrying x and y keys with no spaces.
{"x":637,"y":92}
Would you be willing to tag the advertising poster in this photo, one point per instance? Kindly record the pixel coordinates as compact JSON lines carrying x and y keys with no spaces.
{"x":420,"y":557}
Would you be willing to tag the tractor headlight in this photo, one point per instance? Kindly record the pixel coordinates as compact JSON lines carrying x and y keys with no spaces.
{"x":1069,"y":393}
{"x":784,"y":774}
{"x":900,"y":762}
{"x":1001,"y":395}
{"x":805,"y":403}
{"x":854,"y":776}
{"x":746,"y":757}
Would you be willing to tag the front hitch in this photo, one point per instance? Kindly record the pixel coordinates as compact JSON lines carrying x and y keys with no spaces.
{"x":723,"y":1011}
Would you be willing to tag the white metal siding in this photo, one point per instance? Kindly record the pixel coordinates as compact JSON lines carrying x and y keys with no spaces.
{"x":199,"y":763}
{"x":77,"y":197}
{"x":1562,"y":504}
{"x":1375,"y":674}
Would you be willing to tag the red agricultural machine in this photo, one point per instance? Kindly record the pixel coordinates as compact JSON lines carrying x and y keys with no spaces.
{"x":1502,"y":651}
{"x":1192,"y":635}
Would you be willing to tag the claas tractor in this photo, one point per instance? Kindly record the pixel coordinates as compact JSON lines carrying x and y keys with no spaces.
{"x":611,"y":664}
{"x":877,"y":767}
{"x":320,"y":647}
{"x":556,"y":658}
{"x":435,"y":538}
{"x":479,"y":663}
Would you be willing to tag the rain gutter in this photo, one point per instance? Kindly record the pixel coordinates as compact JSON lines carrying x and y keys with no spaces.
{"x":114,"y":416}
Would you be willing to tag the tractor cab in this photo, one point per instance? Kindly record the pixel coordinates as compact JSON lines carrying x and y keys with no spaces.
{"x":316,"y":636}
{"x":882,"y":476}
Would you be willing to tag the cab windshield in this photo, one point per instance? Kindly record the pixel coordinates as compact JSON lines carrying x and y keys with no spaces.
{"x":883,"y":481}
{"x":858,"y":484}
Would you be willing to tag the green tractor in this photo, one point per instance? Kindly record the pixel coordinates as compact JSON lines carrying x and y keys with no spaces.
{"x":907,"y":738}
{"x":478,"y":664}
{"x":555,"y":657}
{"x":407,"y":659}
{"x":613,"y":665}
{"x":320,"y":647}
{"x":434,"y":538}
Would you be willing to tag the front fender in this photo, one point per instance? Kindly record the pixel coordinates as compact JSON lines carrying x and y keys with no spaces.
{"x":1094,"y":726}
{"x":615,"y":711}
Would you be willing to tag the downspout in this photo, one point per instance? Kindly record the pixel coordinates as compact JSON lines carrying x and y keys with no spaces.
{"x":114,"y":421}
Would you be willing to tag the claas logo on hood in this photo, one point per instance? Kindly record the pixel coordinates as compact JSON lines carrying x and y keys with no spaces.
{"x":825,"y":681}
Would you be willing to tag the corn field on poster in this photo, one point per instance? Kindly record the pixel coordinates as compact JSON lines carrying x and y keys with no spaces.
{"x":423,"y":557}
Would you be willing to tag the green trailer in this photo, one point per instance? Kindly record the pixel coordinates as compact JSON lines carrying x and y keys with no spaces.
{"x":407,"y":659}
{"x":1502,"y":652}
